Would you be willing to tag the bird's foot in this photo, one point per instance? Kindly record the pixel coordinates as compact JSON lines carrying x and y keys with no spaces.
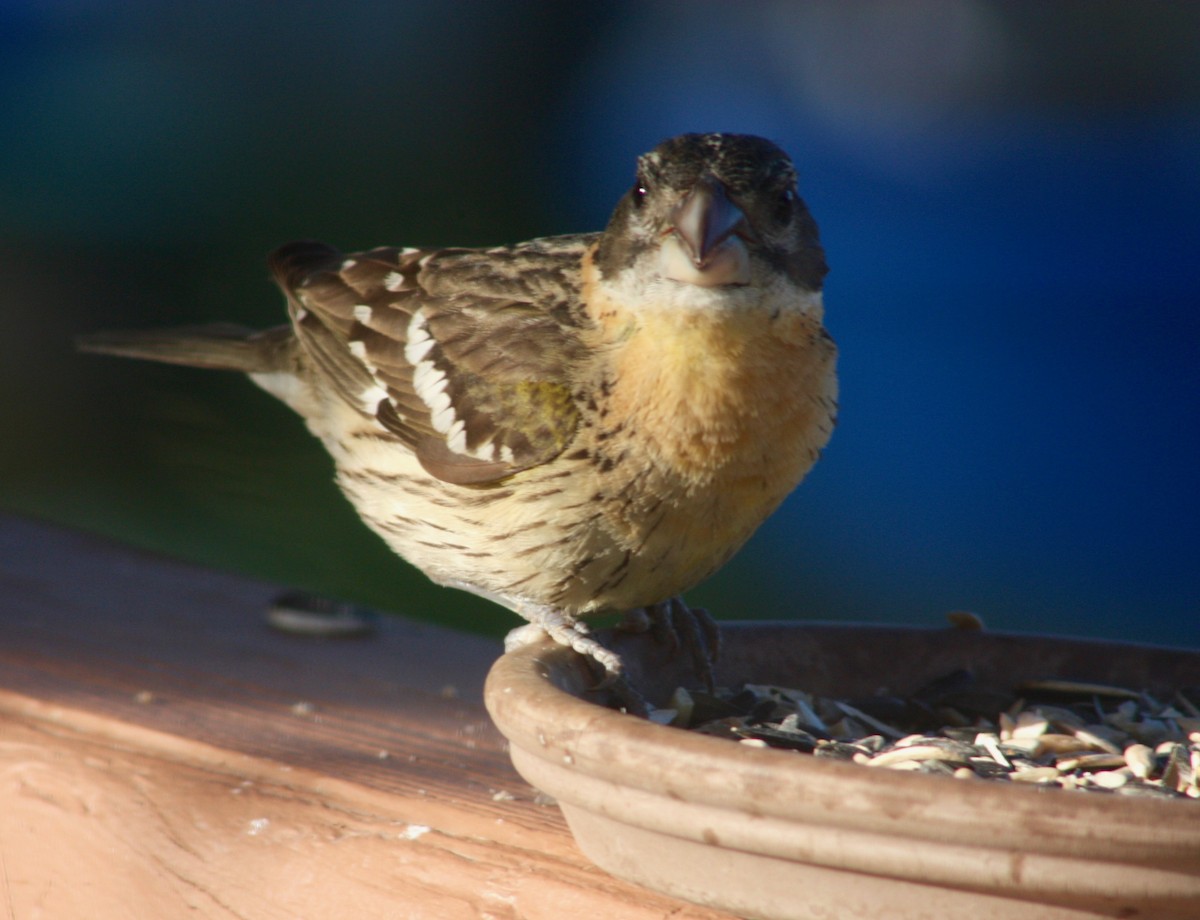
{"x":575,"y":635}
{"x":673,"y":623}
{"x":565,"y":630}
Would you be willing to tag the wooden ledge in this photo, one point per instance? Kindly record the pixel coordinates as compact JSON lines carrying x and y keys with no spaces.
{"x":164,"y":754}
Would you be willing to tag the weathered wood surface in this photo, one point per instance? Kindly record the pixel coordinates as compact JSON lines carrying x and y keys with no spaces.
{"x":164,"y":754}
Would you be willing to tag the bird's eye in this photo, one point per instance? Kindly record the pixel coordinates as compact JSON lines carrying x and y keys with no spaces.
{"x":641,"y":186}
{"x":783,"y":205}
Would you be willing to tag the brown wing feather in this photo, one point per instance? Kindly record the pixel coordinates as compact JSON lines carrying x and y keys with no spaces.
{"x":473,"y":370}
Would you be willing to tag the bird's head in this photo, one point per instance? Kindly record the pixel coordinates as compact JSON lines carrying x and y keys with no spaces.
{"x":713,"y":211}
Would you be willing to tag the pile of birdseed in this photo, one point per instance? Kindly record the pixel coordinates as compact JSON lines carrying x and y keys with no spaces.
{"x":1083,"y":736}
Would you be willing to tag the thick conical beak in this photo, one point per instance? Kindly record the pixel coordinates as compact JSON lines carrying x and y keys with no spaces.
{"x":701,"y":246}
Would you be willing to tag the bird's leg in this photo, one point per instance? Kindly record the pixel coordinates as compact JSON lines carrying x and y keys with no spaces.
{"x":673,"y":623}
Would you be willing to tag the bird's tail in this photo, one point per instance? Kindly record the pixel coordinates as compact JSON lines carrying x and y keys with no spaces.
{"x":220,"y":346}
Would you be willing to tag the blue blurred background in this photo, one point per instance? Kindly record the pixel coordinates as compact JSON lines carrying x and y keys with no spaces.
{"x":1008,"y":193}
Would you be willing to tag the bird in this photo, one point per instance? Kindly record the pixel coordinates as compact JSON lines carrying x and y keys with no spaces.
{"x":573,"y":425}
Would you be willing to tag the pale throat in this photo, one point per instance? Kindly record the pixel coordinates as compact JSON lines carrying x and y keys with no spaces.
{"x":707,"y":382}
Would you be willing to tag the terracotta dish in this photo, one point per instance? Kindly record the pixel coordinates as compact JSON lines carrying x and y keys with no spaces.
{"x":778,"y":835}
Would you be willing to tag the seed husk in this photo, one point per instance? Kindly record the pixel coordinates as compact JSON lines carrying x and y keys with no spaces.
{"x":915,"y":753}
{"x":1036,"y":775}
{"x":1140,"y":760}
{"x":1077,"y":688}
{"x":1110,"y":779}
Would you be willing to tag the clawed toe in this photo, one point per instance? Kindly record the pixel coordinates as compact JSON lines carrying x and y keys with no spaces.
{"x":576,"y":636}
{"x":566,"y":630}
{"x":693,"y":629}
{"x":671,"y":622}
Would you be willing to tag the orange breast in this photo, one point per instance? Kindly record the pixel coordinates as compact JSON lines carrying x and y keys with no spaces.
{"x":721,"y":412}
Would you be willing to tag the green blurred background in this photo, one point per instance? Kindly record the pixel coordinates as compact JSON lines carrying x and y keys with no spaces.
{"x":1008,"y":193}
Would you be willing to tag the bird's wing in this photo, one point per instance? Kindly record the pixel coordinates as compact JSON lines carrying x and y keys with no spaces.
{"x":469,"y":357}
